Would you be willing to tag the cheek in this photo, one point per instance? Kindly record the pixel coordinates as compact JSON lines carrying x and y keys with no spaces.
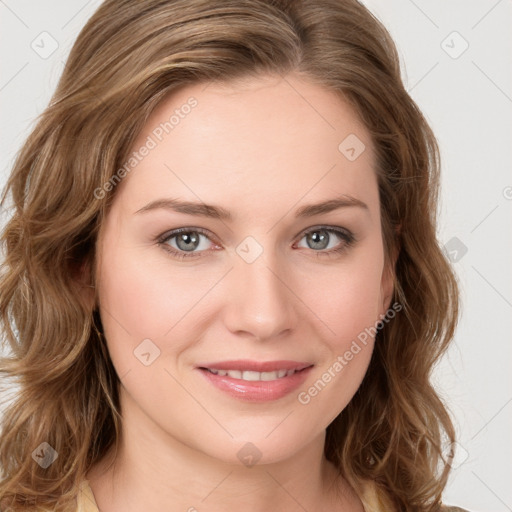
{"x":350,"y":308}
{"x":350,"y":299}
{"x":147,"y":299}
{"x":141,"y":299}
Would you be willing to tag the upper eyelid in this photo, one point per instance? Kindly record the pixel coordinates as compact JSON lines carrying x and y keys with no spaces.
{"x":175,"y":232}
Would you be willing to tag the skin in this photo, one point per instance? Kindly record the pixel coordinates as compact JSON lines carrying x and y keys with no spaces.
{"x":261,"y":148}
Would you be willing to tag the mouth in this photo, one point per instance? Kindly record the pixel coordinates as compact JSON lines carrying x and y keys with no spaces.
{"x":256,"y":381}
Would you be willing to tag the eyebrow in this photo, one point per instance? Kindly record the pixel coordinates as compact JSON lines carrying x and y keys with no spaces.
{"x":218,"y":212}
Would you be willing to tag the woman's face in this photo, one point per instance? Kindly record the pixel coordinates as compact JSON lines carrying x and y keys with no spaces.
{"x":259,"y":281}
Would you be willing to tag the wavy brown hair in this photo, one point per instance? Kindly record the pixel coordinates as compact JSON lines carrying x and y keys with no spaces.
{"x":129,"y":55}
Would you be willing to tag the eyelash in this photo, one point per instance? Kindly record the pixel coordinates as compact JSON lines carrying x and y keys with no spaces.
{"x":348,"y":238}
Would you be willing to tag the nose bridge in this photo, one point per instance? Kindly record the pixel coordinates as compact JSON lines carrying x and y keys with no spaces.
{"x":260,"y":302}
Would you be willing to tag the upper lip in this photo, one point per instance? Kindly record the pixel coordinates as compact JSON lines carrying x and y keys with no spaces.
{"x":256,"y":366}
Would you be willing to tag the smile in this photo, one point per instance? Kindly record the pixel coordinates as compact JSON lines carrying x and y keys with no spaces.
{"x":256,"y":381}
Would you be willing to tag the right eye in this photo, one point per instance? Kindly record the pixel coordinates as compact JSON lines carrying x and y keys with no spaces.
{"x":183,"y":242}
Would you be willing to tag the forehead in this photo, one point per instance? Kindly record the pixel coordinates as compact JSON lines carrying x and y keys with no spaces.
{"x":271,"y":136}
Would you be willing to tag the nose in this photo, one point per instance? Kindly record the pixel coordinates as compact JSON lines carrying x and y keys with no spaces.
{"x":260,"y":302}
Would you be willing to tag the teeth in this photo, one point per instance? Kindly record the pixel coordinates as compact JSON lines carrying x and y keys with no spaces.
{"x":248,"y":375}
{"x":253,"y":376}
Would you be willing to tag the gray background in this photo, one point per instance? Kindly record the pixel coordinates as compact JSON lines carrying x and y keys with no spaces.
{"x":457,"y":66}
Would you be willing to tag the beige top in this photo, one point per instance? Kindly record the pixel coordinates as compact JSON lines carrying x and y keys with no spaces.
{"x":371,"y":501}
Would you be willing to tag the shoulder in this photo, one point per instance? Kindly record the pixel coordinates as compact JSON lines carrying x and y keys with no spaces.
{"x":85,"y":500}
{"x":374,"y":501}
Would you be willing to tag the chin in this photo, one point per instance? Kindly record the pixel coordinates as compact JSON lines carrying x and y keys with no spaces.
{"x":258,"y":447}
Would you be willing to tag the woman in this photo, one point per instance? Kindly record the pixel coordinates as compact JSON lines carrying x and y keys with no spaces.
{"x":222,"y":285}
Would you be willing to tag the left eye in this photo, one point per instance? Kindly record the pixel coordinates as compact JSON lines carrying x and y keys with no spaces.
{"x":320,"y":238}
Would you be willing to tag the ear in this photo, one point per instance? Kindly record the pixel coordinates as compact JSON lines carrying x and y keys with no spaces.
{"x":387,"y":287}
{"x":388,"y":276}
{"x":82,"y":278}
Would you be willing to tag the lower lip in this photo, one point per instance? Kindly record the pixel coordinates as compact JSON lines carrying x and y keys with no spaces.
{"x":257,"y":391}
